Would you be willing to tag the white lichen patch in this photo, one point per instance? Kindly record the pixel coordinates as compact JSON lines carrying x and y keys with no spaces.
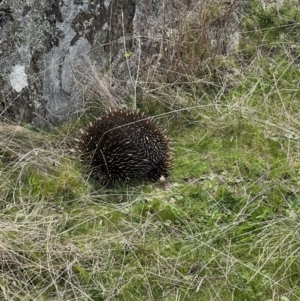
{"x":105,"y":26}
{"x":18,"y":78}
{"x":107,"y":3}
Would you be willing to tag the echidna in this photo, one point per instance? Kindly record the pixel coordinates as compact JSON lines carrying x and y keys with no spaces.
{"x":125,"y":146}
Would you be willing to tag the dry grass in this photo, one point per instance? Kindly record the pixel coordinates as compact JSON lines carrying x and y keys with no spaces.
{"x":226,"y":227}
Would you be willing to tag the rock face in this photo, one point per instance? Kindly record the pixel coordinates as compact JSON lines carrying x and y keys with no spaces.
{"x":49,"y":48}
{"x":44,"y":46}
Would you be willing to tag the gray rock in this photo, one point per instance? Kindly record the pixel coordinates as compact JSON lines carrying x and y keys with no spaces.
{"x":51,"y":51}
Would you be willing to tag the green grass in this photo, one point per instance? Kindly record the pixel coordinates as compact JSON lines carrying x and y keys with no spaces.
{"x":225,"y":226}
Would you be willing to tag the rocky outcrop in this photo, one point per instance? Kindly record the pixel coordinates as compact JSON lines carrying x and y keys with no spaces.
{"x":50,"y":50}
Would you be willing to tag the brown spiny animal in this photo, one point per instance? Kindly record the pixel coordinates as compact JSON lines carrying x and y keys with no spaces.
{"x":125,"y":146}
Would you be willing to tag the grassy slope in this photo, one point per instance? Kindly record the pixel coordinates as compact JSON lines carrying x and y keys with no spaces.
{"x":227,"y":225}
